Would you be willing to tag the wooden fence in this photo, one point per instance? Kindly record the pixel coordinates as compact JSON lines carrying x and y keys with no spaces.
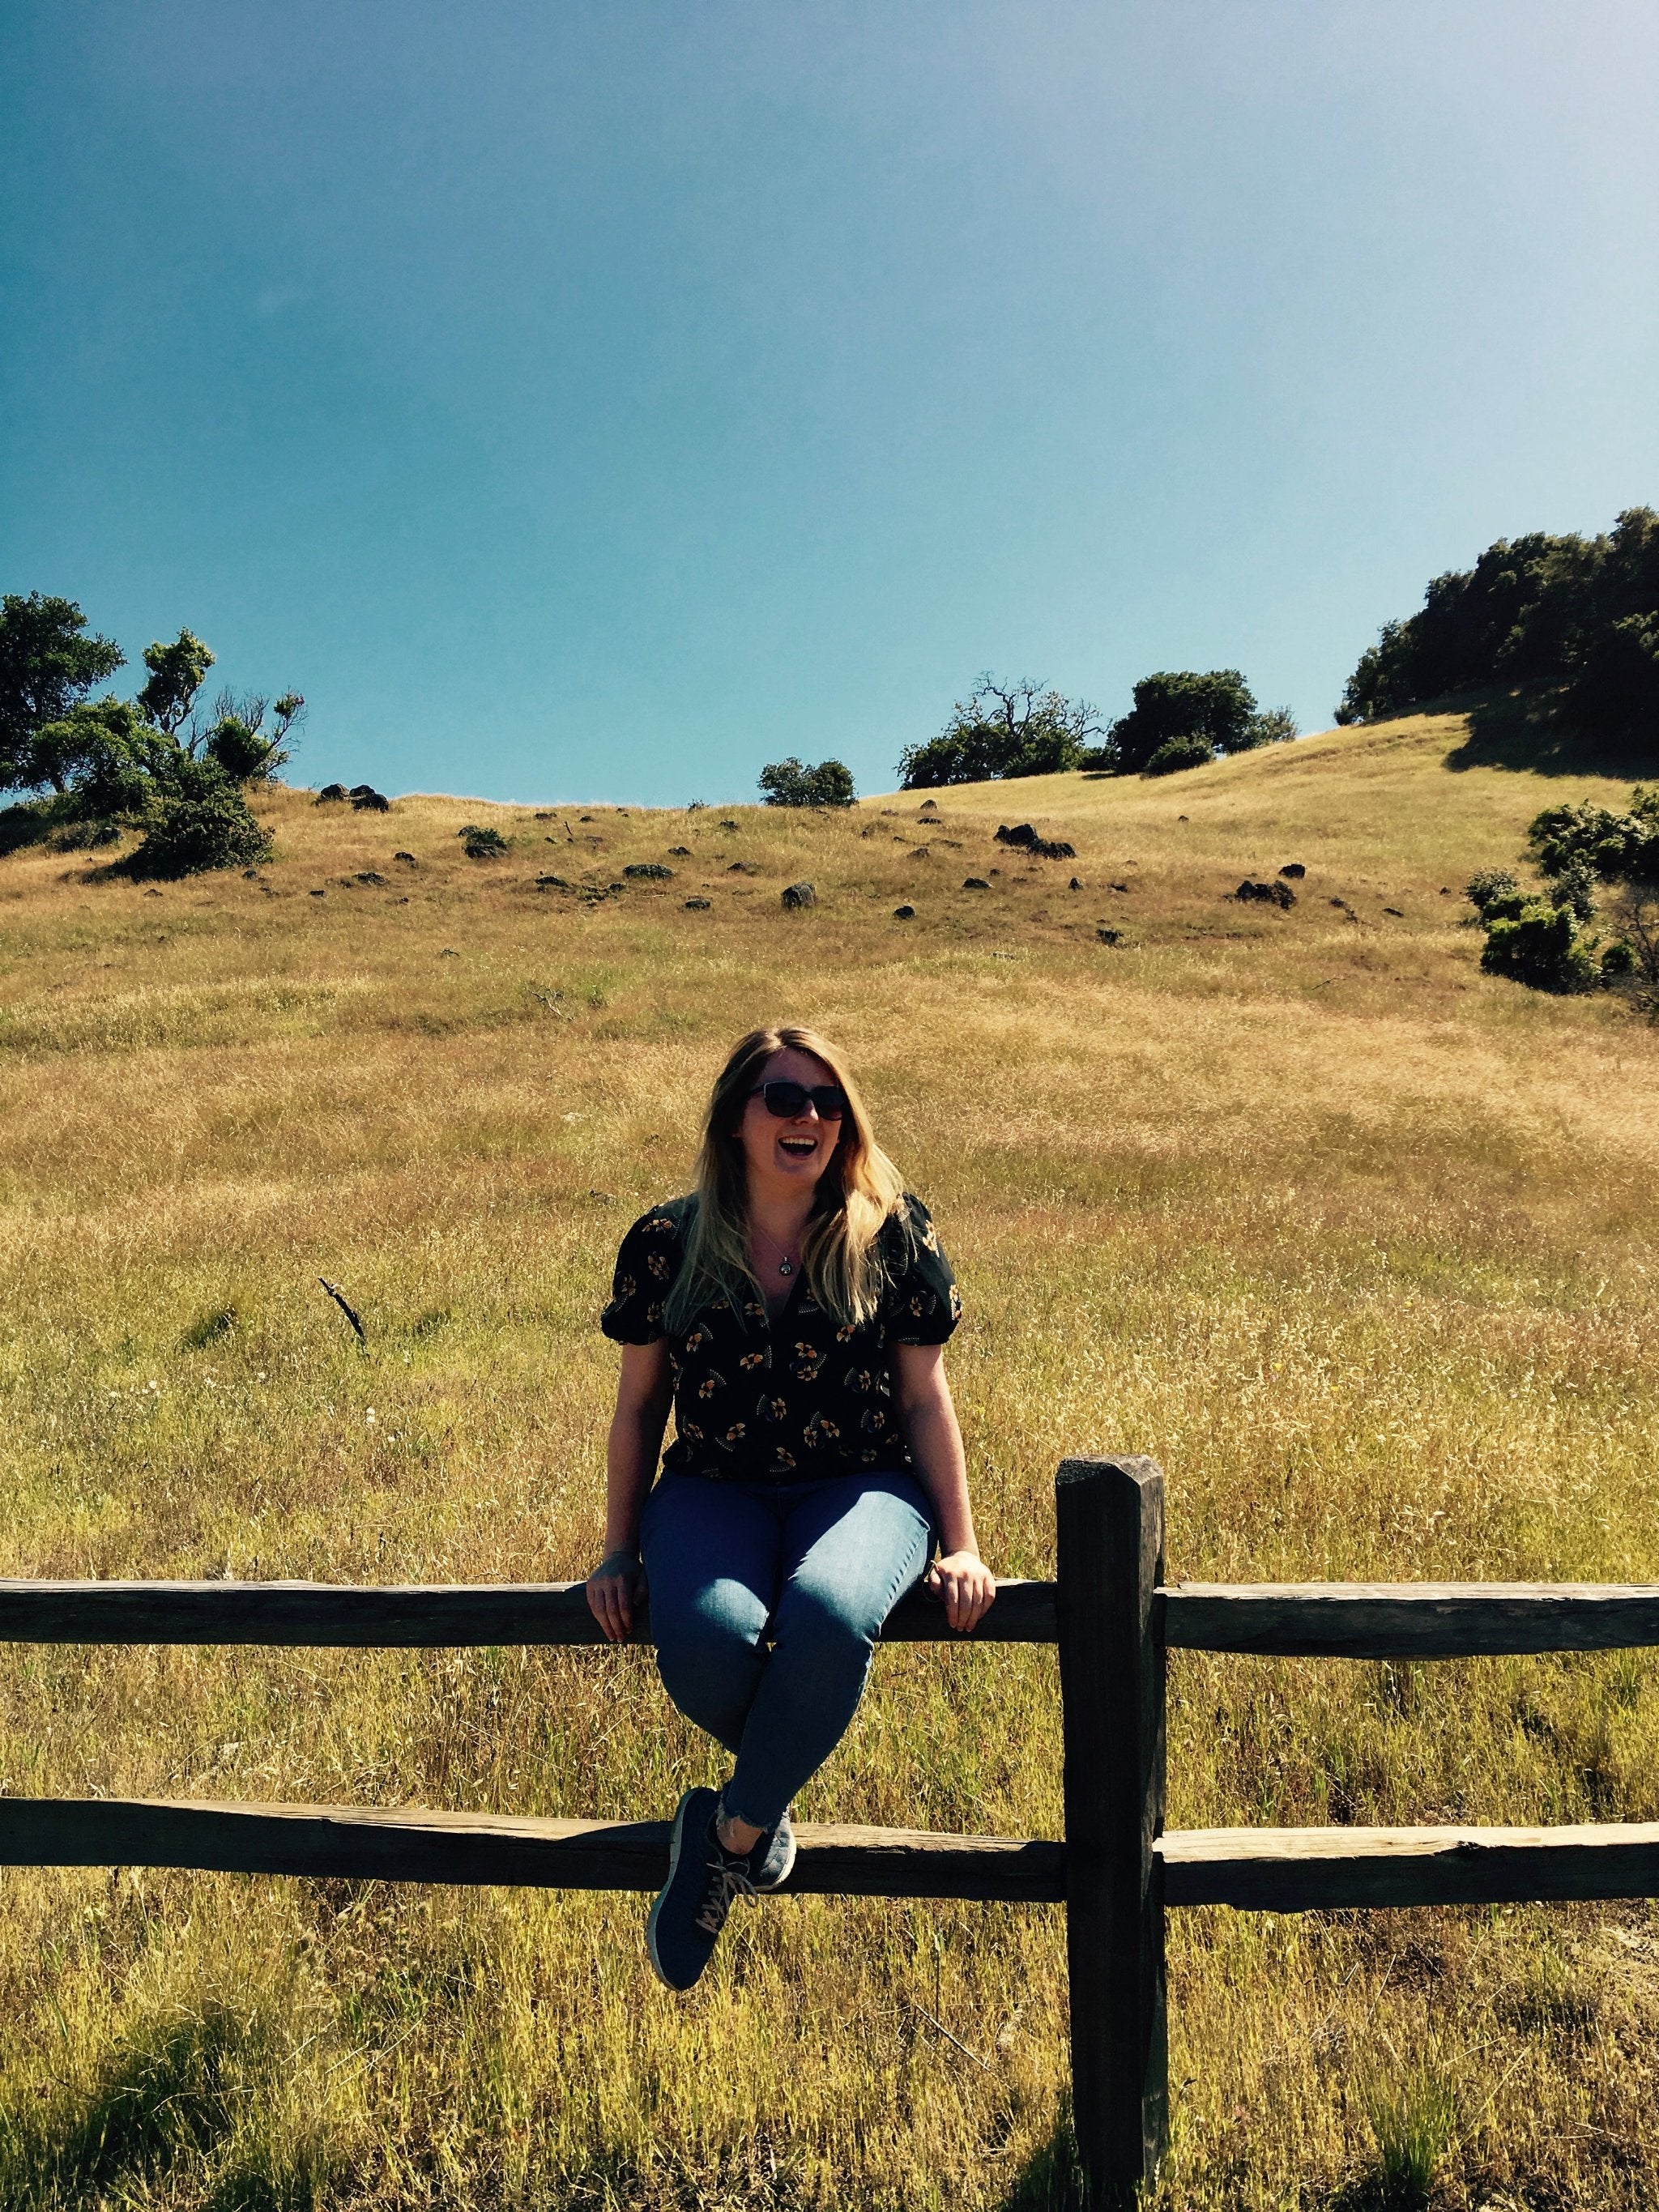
{"x":1116,"y":1871}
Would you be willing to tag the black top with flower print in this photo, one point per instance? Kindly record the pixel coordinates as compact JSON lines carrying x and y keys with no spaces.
{"x":797,"y":1398}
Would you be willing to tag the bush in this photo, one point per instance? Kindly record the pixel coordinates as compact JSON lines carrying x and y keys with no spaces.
{"x":481,"y":844}
{"x":1493,"y":892}
{"x":1274,"y":726}
{"x":792,"y":783}
{"x":1177,"y":753}
{"x":1541,"y":945}
{"x":201,"y":822}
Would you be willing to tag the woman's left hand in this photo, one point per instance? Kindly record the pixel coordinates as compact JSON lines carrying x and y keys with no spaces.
{"x":967,"y":1586}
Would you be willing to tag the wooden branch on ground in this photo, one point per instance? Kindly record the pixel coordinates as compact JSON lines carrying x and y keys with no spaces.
{"x":363,"y":1844}
{"x":412,"y":1617}
{"x":1307,"y":1870}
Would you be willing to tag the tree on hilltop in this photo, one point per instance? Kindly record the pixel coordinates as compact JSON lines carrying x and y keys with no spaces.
{"x":792,"y":783}
{"x":1579,"y":616}
{"x":48,"y":664}
{"x":1176,"y":706}
{"x":151,"y":762}
{"x":1002,"y":730}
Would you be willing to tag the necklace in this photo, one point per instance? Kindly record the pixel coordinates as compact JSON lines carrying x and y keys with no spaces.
{"x":786,"y":1264}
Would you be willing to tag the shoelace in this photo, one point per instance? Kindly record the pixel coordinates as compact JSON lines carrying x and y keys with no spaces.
{"x":726,"y":1880}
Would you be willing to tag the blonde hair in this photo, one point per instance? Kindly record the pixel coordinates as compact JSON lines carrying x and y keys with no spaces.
{"x":858,"y":1190}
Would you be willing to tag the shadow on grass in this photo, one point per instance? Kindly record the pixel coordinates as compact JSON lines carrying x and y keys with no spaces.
{"x":166,"y":2102}
{"x":1049,"y":2180}
{"x":1525,"y":731}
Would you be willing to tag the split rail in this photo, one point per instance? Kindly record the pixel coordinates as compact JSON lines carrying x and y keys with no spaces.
{"x":1116,"y":1871}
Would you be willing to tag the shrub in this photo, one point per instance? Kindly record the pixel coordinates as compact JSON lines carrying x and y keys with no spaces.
{"x":1274,"y":726}
{"x":1494,"y":891}
{"x":1542,"y":945}
{"x":1176,"y":753}
{"x":481,"y":844}
{"x":202,"y":821}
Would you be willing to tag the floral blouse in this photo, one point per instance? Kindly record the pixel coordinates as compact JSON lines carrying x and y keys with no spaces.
{"x":796,"y":1397}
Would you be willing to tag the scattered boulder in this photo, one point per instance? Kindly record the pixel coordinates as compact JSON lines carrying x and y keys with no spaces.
{"x":369,"y":876}
{"x":1294,"y":869}
{"x":545,"y":814}
{"x":1109,"y":936}
{"x":1024,"y":836}
{"x":319,"y":894}
{"x":367,"y":800}
{"x":1273,"y":894}
{"x":699,"y":905}
{"x":681,"y":851}
{"x":648,"y":872}
{"x":1077,"y":883}
{"x":728,"y":826}
{"x":333,"y":794}
{"x":974,"y":884}
{"x":552,"y":884}
{"x":905,"y":914}
{"x":408,"y":859}
{"x":1397,"y":912}
{"x":743,"y":868}
{"x":796,"y":894}
{"x":930,"y":806}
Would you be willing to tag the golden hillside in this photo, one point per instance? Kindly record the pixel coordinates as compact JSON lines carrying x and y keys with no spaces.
{"x":1357,"y":1241}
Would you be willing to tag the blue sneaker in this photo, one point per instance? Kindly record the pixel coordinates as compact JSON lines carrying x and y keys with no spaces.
{"x":772,"y":1859}
{"x":690,"y":1911}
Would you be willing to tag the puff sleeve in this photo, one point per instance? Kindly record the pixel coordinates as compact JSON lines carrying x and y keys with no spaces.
{"x":923,"y":1304}
{"x":647,"y":1265}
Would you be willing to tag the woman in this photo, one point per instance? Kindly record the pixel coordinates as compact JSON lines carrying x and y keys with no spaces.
{"x":793,"y":1311}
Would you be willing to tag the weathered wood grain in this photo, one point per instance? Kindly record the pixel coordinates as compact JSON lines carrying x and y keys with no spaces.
{"x":410,"y":1845}
{"x":414,"y":1617}
{"x":1305,"y":1869}
{"x":1109,"y":1533}
{"x":1409,"y":1620}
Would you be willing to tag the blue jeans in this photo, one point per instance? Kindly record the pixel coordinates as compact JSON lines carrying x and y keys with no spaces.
{"x":816,"y":1567}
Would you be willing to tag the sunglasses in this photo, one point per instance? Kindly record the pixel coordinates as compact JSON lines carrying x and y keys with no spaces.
{"x":787,"y":1100}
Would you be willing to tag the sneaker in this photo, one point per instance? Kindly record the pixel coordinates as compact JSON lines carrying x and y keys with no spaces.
{"x":772,"y":1859}
{"x":690,"y":1911}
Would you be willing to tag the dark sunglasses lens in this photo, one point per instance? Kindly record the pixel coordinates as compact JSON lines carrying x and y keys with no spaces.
{"x":787,"y":1100}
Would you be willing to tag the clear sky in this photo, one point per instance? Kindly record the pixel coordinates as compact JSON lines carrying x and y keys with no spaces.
{"x":601,"y":399}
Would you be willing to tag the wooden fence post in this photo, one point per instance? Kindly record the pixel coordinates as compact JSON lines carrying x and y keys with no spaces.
{"x":1109,"y":1557}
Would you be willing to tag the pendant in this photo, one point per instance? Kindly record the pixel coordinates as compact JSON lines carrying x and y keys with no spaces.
{"x":785,"y":1266}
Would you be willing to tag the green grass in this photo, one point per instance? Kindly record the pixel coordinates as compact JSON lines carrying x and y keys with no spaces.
{"x":1357,"y":1241}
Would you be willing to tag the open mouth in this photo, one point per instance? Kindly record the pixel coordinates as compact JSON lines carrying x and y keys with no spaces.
{"x":798,"y":1148}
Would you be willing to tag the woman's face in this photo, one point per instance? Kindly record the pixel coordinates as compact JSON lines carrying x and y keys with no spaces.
{"x":792,"y":1154}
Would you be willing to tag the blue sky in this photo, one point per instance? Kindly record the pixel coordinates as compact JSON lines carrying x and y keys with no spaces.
{"x":600,"y":401}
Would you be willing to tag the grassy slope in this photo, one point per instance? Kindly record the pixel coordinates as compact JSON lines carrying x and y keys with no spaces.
{"x":1357,"y":1241}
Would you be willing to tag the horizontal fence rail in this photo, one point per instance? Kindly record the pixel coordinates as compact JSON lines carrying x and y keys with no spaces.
{"x":1409,"y":1620}
{"x":363,"y":1844}
{"x":436,"y":1616}
{"x":1331,"y":1621}
{"x":1335,"y":1870}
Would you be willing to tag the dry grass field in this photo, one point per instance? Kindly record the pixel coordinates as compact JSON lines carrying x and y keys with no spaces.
{"x":1357,"y":1241}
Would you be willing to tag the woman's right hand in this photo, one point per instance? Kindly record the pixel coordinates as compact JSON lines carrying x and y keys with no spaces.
{"x":615,"y":1586}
